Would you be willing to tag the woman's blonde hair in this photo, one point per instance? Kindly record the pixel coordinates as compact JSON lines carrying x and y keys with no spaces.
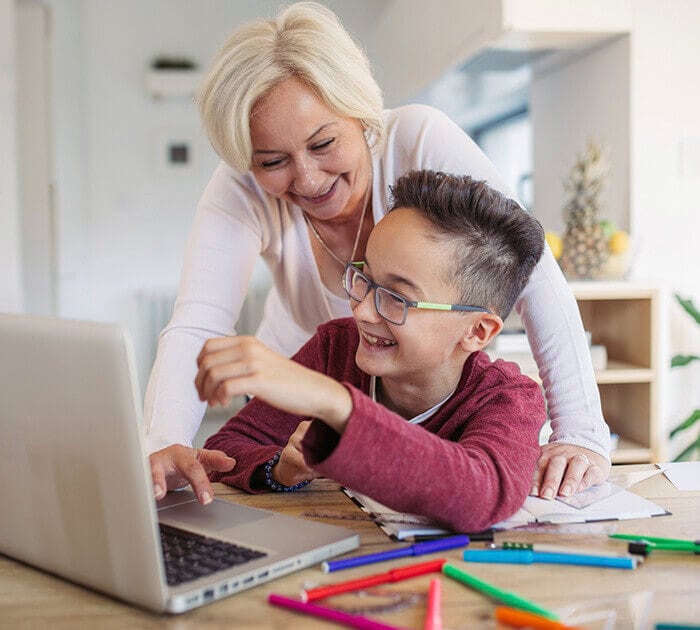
{"x":305,"y":40}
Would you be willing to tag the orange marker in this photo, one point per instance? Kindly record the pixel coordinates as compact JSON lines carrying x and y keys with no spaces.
{"x":522,"y":619}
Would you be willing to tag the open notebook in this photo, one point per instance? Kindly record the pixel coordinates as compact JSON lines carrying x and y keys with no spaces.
{"x":396,"y":525}
{"x":606,"y":502}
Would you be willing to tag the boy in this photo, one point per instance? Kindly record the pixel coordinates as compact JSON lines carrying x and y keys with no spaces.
{"x":398,"y":402}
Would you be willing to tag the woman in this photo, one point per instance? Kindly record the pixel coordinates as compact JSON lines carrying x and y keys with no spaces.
{"x":309,"y":156}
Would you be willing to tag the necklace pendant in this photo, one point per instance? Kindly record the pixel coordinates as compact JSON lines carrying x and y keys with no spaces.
{"x":319,"y":238}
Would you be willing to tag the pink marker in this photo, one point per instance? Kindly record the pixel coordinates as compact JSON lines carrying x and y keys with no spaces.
{"x":336,"y":616}
{"x":433,"y":618}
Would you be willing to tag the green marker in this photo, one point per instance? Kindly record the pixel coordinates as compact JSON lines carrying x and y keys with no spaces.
{"x":506,"y":597}
{"x":651,"y":543}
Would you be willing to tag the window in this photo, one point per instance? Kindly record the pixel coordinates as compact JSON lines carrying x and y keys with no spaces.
{"x":508,"y":144}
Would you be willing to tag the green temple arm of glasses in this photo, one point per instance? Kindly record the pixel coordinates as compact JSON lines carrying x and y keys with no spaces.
{"x":432,"y":305}
{"x":448,"y":307}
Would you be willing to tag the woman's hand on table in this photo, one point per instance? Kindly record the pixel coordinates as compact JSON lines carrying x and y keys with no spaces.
{"x":565,"y":469}
{"x":177,"y":465}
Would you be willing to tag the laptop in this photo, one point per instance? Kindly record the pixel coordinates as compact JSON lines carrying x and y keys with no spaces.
{"x":77,"y":492}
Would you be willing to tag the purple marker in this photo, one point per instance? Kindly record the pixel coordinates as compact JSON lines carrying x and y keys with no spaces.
{"x":419,"y":549}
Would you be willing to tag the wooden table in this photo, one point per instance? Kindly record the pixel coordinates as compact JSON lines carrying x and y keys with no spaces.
{"x":665,"y":588}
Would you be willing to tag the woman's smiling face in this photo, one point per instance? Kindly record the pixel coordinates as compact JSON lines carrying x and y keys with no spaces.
{"x":413,"y":265}
{"x":306,"y":154}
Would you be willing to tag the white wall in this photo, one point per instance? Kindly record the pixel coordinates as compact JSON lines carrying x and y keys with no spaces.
{"x":34,"y":158}
{"x":588,"y":97}
{"x":69,"y":145}
{"x":665,"y":213}
{"x":10,"y":250}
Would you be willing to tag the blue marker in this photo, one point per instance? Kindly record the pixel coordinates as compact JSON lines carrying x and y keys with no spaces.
{"x":419,"y":549}
{"x":525,"y":556}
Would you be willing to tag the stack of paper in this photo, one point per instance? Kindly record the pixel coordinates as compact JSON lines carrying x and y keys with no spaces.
{"x":510,"y":341}
{"x":528,"y":365}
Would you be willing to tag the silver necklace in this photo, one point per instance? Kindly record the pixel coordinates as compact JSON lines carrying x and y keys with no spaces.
{"x":314,"y":231}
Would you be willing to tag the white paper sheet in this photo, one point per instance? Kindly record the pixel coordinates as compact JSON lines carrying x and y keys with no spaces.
{"x":615,"y":503}
{"x":684,"y":475}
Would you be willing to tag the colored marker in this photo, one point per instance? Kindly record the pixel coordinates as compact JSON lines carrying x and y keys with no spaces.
{"x":395,"y":575}
{"x":674,"y":544}
{"x":522,"y":619}
{"x":337,"y":616}
{"x":644,"y":548}
{"x":586,"y":551}
{"x":507,"y":597}
{"x":418,"y":549}
{"x":486,"y":535}
{"x":525,"y":556}
{"x":433,"y":617}
{"x":645,"y":544}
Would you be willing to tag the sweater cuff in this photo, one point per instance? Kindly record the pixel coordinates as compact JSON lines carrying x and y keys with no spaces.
{"x":243,"y":474}
{"x":320,"y":440}
{"x":331,"y":453}
{"x":319,"y":443}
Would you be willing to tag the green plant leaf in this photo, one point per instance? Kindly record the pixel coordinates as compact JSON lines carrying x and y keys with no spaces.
{"x":688,"y":307}
{"x":688,"y":451}
{"x":683,"y":359}
{"x":687,"y":423}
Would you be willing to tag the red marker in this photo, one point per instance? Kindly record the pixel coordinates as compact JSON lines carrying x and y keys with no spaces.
{"x":395,"y":575}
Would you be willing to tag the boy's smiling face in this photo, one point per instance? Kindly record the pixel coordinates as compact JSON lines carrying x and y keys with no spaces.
{"x":402,"y":256}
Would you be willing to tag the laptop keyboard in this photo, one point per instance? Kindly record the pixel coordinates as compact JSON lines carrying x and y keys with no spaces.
{"x":189,"y":556}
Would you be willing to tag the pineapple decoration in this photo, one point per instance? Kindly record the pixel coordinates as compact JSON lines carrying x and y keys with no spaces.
{"x":585,"y":247}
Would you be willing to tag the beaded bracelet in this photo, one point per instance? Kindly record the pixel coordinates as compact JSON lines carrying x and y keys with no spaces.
{"x":274,"y":485}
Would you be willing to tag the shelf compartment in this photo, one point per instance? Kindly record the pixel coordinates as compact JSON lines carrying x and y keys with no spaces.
{"x":626,"y":409}
{"x":629,"y":452}
{"x":622,"y":326}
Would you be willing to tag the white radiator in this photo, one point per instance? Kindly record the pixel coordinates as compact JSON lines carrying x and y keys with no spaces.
{"x":155,"y":311}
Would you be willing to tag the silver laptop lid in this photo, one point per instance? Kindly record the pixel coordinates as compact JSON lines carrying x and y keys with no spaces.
{"x":77,"y":498}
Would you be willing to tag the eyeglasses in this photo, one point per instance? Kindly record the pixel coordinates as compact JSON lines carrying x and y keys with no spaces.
{"x":391,"y":306}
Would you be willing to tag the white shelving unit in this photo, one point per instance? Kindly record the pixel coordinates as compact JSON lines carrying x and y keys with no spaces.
{"x":626,"y":317}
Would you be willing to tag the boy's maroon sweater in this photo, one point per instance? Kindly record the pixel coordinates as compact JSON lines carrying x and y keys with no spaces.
{"x":468,"y":466}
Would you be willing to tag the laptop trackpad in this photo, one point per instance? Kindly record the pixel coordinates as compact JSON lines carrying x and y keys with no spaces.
{"x":217,"y":516}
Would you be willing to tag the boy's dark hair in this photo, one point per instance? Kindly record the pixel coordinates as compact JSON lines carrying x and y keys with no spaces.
{"x":496,"y":242}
